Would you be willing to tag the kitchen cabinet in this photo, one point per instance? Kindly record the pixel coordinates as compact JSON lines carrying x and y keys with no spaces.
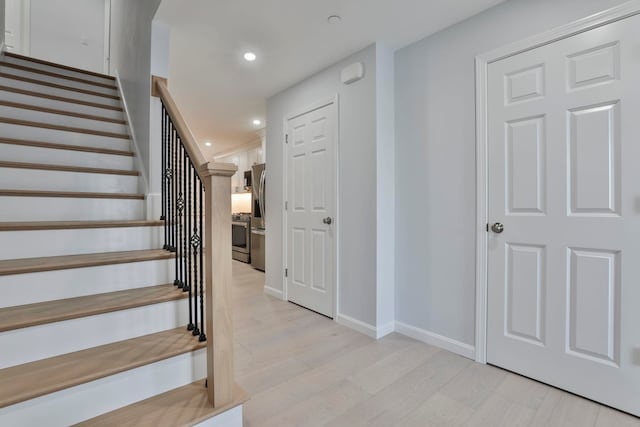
{"x":254,"y":157}
{"x":259,"y":155}
{"x":237,"y":180}
{"x":244,"y":160}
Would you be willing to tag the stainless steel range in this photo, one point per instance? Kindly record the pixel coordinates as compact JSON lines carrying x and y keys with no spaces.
{"x":241,"y":237}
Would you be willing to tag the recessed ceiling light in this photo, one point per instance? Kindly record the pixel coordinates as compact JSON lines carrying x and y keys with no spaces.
{"x":334,"y":19}
{"x":257,"y":122}
{"x":250,"y":56}
{"x":208,"y":144}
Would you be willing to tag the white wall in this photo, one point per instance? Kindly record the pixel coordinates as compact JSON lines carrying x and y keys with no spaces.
{"x":69,"y":32}
{"x":357,"y":170}
{"x":131,"y":23}
{"x":435,"y":159}
{"x":160,"y":45}
{"x":2,"y":18}
{"x":385,"y":200}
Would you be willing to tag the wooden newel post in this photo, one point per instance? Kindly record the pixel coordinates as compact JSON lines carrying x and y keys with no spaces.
{"x":219,"y":327}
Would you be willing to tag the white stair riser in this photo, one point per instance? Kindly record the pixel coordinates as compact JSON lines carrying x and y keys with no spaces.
{"x":4,"y":81}
{"x":26,"y":154}
{"x":78,"y":282}
{"x":89,"y":400}
{"x":58,"y":80}
{"x":57,"y":70}
{"x":60,"y":105}
{"x":69,"y":209}
{"x":41,"y":342}
{"x":63,"y":137}
{"x":34,"y":179}
{"x":43,"y":243}
{"x":61,"y":120}
{"x":230,"y":418}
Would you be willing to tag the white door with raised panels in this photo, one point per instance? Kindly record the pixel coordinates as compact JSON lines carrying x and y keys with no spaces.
{"x":564,"y":206}
{"x":311,"y":200}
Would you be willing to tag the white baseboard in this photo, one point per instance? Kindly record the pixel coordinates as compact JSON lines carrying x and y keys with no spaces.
{"x":276,"y":293}
{"x":365,"y":328}
{"x":437,"y":340}
{"x":385,"y":330}
{"x":358,"y":325}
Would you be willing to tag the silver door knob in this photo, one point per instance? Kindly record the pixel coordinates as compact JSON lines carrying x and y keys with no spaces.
{"x":327,"y":220}
{"x":497,"y":228}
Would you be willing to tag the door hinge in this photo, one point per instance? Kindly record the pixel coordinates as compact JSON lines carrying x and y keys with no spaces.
{"x":286,"y":139}
{"x":286,"y":206}
{"x":286,"y":272}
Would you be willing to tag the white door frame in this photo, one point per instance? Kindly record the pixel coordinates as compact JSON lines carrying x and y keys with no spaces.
{"x":614,"y":14}
{"x":25,"y":28}
{"x":336,"y":247}
{"x":107,"y":36}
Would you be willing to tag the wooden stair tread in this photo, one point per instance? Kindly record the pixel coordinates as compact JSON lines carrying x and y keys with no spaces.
{"x":44,"y":125}
{"x":31,"y":380}
{"x":32,"y":265}
{"x":183,"y":406}
{"x":59,"y":98}
{"x":60,"y":112}
{"x":62,"y":67}
{"x":71,"y":225}
{"x":55,"y":146}
{"x":57,"y":86}
{"x":56,"y":75}
{"x":25,"y":316}
{"x":63,"y":168}
{"x":69,"y":194}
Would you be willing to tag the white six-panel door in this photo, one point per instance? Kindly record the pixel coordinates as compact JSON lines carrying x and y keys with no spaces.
{"x":564,"y":180}
{"x":311,"y":181}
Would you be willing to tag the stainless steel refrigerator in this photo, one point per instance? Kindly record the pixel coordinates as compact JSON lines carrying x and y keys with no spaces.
{"x":258,"y":231}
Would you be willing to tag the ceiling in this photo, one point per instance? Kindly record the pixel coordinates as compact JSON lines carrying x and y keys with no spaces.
{"x":220,"y":93}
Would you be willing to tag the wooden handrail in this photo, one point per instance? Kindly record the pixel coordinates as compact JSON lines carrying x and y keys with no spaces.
{"x":185,"y":134}
{"x":216,"y":179}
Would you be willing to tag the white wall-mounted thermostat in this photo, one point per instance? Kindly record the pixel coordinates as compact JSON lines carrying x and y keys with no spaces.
{"x":352,"y":73}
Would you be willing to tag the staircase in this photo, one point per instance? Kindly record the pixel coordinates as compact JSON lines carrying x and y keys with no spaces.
{"x":91,"y":324}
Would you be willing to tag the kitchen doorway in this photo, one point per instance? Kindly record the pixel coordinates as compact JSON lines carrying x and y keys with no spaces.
{"x":310,"y":222}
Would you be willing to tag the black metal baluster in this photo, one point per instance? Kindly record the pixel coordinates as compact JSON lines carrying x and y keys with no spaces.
{"x":203,"y":337}
{"x":181,"y":232}
{"x":185,"y":230}
{"x":183,"y":215}
{"x":169,"y":178}
{"x":195,"y":245}
{"x":190,"y":277}
{"x":167,"y":184}
{"x":172,"y":190}
{"x":163,"y":215}
{"x":179,"y":204}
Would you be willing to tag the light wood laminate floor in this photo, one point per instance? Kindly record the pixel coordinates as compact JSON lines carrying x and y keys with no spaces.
{"x":302,"y":369}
